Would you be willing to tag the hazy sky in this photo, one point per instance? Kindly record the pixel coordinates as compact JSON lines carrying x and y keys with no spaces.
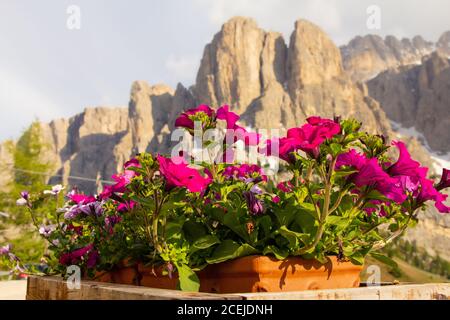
{"x":48,"y":71}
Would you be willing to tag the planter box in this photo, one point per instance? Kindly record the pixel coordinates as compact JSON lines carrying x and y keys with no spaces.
{"x":55,"y":288}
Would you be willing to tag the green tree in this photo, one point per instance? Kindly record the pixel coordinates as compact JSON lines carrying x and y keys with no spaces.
{"x":29,"y":173}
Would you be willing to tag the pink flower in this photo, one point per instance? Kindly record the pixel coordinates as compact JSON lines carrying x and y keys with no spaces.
{"x":80,"y":198}
{"x":405,"y":165}
{"x":132,"y":163}
{"x":285,"y":186}
{"x":371,"y":174}
{"x":244,"y":172}
{"x":445,"y":180}
{"x":126,"y":206}
{"x":351,"y":159}
{"x":180,"y":175}
{"x":276,"y":199}
{"x":79,"y":255}
{"x":308,"y":138}
{"x":186,"y":119}
{"x":249,"y":138}
{"x":428,"y":192}
{"x":285,"y":146}
{"x":230,"y":117}
{"x":311,"y":135}
{"x":122,"y":180}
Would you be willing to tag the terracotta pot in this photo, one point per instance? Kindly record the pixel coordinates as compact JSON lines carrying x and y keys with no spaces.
{"x":154,"y":278}
{"x":124,"y":273}
{"x":264,"y":274}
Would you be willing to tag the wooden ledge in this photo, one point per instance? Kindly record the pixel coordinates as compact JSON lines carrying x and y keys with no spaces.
{"x":55,"y":288}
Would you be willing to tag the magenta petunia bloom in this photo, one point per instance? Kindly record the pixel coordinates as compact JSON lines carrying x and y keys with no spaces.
{"x":185,"y":119}
{"x":445,"y":180}
{"x":132,"y":163}
{"x":428,"y":192}
{"x":122,"y":180}
{"x":244,"y":172}
{"x":178,"y":174}
{"x":312,"y":134}
{"x":79,"y":255}
{"x":230,"y":117}
{"x":370,"y":173}
{"x":285,"y":186}
{"x":126,"y":206}
{"x":276,"y":199}
{"x":80,"y":198}
{"x":405,"y":165}
{"x":351,"y":159}
{"x":307,"y":138}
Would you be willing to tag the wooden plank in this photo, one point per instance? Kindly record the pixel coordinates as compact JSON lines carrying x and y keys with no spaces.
{"x":432,"y":291}
{"x":55,"y":288}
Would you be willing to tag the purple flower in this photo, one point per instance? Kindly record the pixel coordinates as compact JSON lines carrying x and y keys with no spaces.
{"x":93,"y":208}
{"x":5,"y":250}
{"x":24,"y":199}
{"x":253,"y":203}
{"x":47,"y":230}
{"x":25,"y":195}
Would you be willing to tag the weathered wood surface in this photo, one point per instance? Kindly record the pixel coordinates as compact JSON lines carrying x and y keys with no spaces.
{"x":55,"y":288}
{"x":432,"y":291}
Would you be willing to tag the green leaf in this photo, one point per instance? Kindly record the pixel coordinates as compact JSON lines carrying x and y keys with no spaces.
{"x":188,"y":279}
{"x":193,"y":230}
{"x":277,"y":252}
{"x":340,"y":222}
{"x":306,"y":220}
{"x":229,"y":249}
{"x":384,"y":259}
{"x":357,"y":258}
{"x":344,"y":172}
{"x":336,"y":149}
{"x":293,"y":237}
{"x":205,"y":242}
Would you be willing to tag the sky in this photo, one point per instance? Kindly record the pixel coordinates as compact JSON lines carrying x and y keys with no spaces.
{"x":57,"y":59}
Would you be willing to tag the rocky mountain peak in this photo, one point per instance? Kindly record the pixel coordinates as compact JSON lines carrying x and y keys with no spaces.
{"x":443,"y":43}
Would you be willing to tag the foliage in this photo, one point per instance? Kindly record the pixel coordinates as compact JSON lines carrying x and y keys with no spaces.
{"x":168,"y":214}
{"x":27,"y":155}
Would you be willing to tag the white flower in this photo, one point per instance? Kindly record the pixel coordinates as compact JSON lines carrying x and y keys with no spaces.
{"x":21,"y":202}
{"x":55,"y":190}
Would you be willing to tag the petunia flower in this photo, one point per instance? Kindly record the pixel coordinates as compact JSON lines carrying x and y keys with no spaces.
{"x":405,"y":165}
{"x":371,"y":174}
{"x":80,"y":198}
{"x":202,"y":113}
{"x":47,"y":230}
{"x":285,"y":186}
{"x":6,"y":249}
{"x":254,"y":205}
{"x":24,"y":199}
{"x":445,"y":180}
{"x":230,"y":117}
{"x":244,"y":172}
{"x":56,"y":189}
{"x":428,"y":192}
{"x":177,"y":174}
